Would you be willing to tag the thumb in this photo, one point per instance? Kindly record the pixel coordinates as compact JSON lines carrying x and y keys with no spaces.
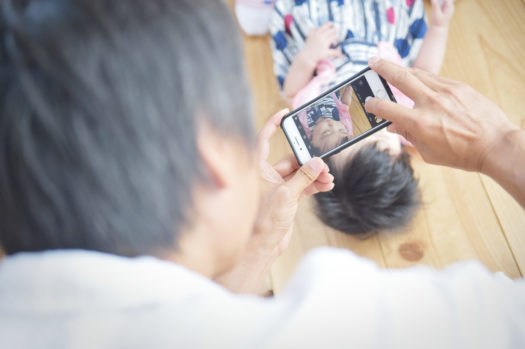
{"x":306,"y":175}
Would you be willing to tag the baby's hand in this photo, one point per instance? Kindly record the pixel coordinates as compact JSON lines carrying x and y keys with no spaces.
{"x":442,"y":11}
{"x":319,"y":43}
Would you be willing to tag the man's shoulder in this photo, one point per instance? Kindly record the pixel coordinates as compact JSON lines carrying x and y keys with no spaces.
{"x":60,"y":278}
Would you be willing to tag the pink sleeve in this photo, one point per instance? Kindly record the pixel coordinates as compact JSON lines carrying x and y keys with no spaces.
{"x":304,"y":123}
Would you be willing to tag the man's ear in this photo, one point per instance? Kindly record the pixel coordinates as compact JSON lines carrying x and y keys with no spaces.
{"x":217,"y":154}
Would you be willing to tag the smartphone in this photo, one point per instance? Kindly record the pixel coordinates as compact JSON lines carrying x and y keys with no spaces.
{"x":337,"y":118}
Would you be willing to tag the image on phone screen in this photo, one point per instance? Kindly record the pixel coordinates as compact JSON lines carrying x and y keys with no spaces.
{"x":339,"y":117}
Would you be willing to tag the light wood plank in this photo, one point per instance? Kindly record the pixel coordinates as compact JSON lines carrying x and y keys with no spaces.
{"x":456,"y":223}
{"x":488,"y":54}
{"x":511,"y":217}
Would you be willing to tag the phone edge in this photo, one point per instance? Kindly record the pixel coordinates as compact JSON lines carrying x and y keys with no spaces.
{"x":354,"y":140}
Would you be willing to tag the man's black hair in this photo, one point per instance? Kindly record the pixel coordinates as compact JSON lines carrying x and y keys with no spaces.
{"x":373,"y":192}
{"x":100,"y":102}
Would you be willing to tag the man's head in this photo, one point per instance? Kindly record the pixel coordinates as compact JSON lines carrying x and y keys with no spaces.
{"x":375,"y":188}
{"x":119,"y":125}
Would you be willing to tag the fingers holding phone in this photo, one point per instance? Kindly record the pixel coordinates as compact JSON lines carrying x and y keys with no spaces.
{"x":451,"y":124}
{"x":288,"y":168}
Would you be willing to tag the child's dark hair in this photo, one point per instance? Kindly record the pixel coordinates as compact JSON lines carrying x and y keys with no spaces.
{"x":372,"y":192}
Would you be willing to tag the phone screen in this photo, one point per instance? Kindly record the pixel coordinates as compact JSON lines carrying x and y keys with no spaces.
{"x":339,"y":117}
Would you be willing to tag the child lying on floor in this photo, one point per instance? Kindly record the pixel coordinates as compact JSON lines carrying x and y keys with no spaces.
{"x":317,"y":44}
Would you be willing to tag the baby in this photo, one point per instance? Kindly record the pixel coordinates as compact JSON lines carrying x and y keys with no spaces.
{"x":327,"y":124}
{"x":317,"y":44}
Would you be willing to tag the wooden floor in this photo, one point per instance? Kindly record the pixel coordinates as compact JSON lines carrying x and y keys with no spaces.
{"x":465,"y":215}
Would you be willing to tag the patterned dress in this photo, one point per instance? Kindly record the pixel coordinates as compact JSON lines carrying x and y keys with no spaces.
{"x":361,"y":24}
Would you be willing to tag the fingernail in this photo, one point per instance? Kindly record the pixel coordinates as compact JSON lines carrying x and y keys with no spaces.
{"x":372,"y":61}
{"x":368,"y":101}
{"x":316,"y":164}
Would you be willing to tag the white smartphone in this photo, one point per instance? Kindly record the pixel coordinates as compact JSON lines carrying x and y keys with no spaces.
{"x":337,"y":118}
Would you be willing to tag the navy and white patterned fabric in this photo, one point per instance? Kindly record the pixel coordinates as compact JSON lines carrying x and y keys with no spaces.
{"x":361,"y":25}
{"x":325,"y":108}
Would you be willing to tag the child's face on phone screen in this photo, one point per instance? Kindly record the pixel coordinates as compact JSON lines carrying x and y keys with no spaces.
{"x":328,"y":134}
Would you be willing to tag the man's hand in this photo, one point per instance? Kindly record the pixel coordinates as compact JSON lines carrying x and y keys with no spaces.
{"x":319,"y":43}
{"x":282,"y":186}
{"x":451,"y":123}
{"x":454,"y":125}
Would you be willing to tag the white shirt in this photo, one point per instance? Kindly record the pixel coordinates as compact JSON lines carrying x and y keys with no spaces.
{"x":78,"y":299}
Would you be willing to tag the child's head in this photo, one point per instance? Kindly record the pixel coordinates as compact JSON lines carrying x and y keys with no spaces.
{"x":375,"y":188}
{"x":328,"y":134}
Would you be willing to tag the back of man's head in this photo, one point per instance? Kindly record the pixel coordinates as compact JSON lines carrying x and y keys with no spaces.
{"x":100,"y":102}
{"x":373,"y":192}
